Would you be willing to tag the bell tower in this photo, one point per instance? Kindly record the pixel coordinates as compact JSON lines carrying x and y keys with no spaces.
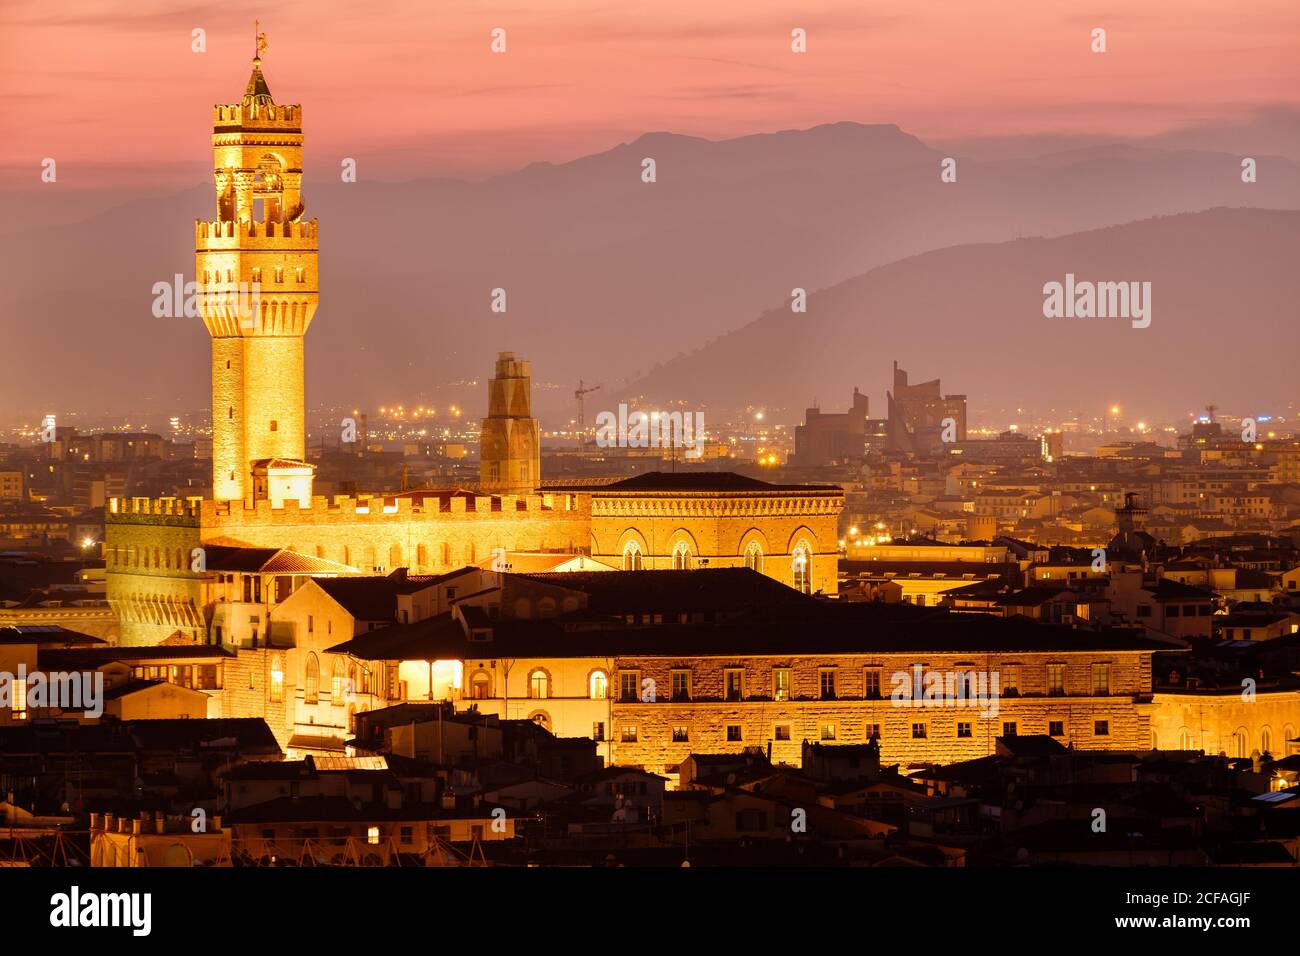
{"x":510,"y":443}
{"x":256,"y":268}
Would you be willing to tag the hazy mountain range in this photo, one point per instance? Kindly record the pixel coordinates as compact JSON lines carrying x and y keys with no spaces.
{"x":680,"y":288}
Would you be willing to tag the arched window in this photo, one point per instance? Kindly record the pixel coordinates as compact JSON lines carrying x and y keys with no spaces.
{"x":311,"y":679}
{"x":539,"y":684}
{"x":754,"y":557}
{"x":277,"y":679}
{"x":682,"y":557}
{"x":1185,"y":739}
{"x":395,"y":556}
{"x":1239,"y":739}
{"x":1266,"y":741}
{"x":541,"y":718}
{"x":339,"y":688}
{"x":481,"y":686}
{"x":599,"y":685}
{"x":422,"y":556}
{"x":801,"y":566}
{"x":1288,"y":735}
{"x":632,"y":557}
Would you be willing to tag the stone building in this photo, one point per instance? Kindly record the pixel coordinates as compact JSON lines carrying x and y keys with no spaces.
{"x":161,"y":580}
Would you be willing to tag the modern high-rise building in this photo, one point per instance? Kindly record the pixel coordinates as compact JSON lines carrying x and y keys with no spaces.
{"x":919,"y":416}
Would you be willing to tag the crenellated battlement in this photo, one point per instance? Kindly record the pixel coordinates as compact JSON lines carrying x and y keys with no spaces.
{"x":343,"y":509}
{"x":229,"y":234}
{"x":280,"y":117}
{"x":181,"y":512}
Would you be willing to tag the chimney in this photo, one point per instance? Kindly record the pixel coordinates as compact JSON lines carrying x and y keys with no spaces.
{"x":135,"y":827}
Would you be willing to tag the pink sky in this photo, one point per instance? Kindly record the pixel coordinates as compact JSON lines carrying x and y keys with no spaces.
{"x":113,"y":92}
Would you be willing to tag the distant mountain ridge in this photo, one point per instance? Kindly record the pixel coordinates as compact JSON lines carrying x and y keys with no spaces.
{"x":606,"y":275}
{"x":1225,"y":326}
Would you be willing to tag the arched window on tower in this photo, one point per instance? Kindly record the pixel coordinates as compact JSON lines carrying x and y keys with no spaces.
{"x":754,"y":557}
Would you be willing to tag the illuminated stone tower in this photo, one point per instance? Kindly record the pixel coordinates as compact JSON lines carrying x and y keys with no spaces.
{"x":510,"y":444}
{"x":258,"y":241}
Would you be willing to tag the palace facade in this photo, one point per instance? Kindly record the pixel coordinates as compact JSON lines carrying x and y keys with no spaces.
{"x":162,"y":585}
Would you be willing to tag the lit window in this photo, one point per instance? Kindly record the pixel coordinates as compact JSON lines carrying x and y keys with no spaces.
{"x":781,"y":684}
{"x":277,"y":679}
{"x":599,"y":685}
{"x":539,"y":685}
{"x":311,"y":680}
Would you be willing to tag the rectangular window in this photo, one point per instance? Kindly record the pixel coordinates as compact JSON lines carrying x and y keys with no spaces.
{"x":1008,"y":728}
{"x":19,"y":699}
{"x":1056,"y":728}
{"x":628,"y":735}
{"x":828,"y":732}
{"x":1101,"y":728}
{"x":681,"y":685}
{"x":963,"y":729}
{"x":1055,"y":680}
{"x":598,"y":731}
{"x":733,"y":733}
{"x":919,"y":731}
{"x":628,"y":684}
{"x":782,"y":732}
{"x":874,"y":732}
{"x":681,"y":734}
{"x":1100,"y":680}
{"x":1011,"y":680}
{"x":828,"y":683}
{"x":734,"y":684}
{"x":871,"y":683}
{"x":781,"y":684}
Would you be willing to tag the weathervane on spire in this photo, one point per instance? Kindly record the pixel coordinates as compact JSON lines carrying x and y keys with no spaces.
{"x":259,"y":40}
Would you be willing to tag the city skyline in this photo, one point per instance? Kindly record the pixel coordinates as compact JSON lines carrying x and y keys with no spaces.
{"x":826,"y":500}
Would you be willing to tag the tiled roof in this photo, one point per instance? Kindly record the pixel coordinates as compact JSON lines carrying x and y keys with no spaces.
{"x":270,"y":561}
{"x":687,"y":481}
{"x":831,"y":628}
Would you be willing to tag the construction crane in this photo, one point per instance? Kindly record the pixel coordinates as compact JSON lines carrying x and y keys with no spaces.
{"x":581,"y":393}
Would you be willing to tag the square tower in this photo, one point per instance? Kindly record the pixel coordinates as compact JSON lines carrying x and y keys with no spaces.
{"x":510,"y":441}
{"x":256,"y":268}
